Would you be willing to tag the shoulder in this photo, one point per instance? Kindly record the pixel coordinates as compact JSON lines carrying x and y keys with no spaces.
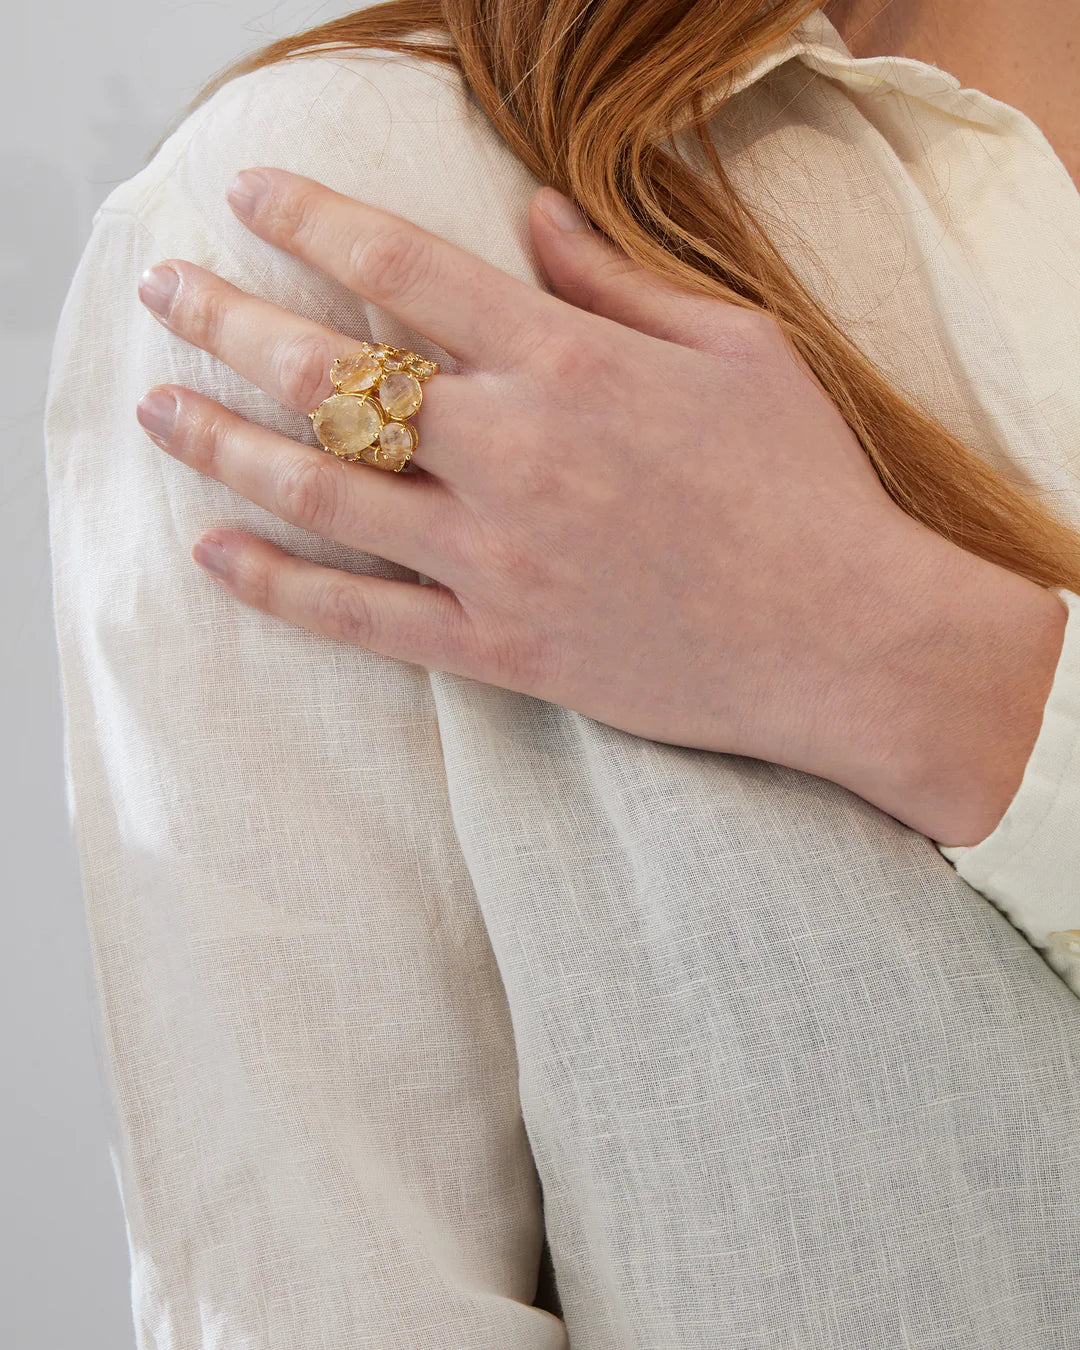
{"x":394,"y":130}
{"x":283,"y":113}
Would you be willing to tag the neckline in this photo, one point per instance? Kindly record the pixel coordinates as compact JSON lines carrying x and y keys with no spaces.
{"x":817,"y":43}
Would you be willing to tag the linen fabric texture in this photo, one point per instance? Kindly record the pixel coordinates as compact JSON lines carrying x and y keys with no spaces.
{"x":406,"y":983}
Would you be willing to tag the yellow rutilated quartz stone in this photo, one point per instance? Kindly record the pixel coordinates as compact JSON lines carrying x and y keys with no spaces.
{"x":347,"y":423}
{"x":400,"y":394}
{"x":421,"y":367}
{"x":378,"y":388}
{"x":353,"y":374}
{"x":397,"y":440}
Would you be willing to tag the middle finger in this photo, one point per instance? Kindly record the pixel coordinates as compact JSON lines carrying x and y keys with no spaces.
{"x":289,"y":357}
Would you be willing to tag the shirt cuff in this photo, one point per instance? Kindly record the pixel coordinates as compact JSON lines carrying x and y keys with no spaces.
{"x":1029,"y":867}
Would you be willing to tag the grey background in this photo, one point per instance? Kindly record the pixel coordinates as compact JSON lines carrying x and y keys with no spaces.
{"x":87,"y":91}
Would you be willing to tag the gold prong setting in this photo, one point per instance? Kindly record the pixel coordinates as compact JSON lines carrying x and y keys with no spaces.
{"x":377,"y":389}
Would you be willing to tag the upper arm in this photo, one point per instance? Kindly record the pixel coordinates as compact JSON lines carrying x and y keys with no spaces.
{"x":310,"y":1051}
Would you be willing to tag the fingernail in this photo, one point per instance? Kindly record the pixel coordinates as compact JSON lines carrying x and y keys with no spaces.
{"x":560,"y":210}
{"x":157,"y":286}
{"x":210,"y":554}
{"x":247,"y":191}
{"x":156,"y":411}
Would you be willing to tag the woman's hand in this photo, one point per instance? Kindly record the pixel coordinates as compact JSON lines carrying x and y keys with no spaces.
{"x":636,"y":502}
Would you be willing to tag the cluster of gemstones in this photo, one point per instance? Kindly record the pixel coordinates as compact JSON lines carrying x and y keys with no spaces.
{"x":378,"y":388}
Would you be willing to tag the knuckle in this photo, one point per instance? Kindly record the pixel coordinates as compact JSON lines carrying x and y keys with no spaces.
{"x":759,"y":328}
{"x":292,"y":215}
{"x":201,"y":312}
{"x":518,"y":572}
{"x":346,"y":611}
{"x":205,"y":436}
{"x":299,"y":367}
{"x":603,"y":278}
{"x":745,"y":336}
{"x":398,"y":263}
{"x":458,"y":532}
{"x":575,"y":364}
{"x":309,"y":492}
{"x":558,"y":356}
{"x":535,"y":475}
{"x":260,"y":586}
{"x":516,"y":655}
{"x":610,"y":271}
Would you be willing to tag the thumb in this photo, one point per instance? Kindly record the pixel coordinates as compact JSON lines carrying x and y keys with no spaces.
{"x":587,"y":270}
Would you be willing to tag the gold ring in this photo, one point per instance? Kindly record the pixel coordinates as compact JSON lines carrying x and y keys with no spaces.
{"x":366,"y":420}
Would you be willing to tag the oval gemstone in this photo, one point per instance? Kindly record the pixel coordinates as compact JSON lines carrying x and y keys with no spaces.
{"x":345,"y":423}
{"x":353,"y":374}
{"x":396,"y":442}
{"x":400,"y":394}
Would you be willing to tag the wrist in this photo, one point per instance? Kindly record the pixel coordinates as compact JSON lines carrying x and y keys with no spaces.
{"x":944,"y":724}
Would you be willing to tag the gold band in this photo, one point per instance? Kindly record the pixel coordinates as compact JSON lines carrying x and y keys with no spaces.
{"x":367,"y":419}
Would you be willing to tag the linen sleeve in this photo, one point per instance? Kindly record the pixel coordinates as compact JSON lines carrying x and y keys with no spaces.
{"x":1029,"y":866}
{"x":316,"y":1123}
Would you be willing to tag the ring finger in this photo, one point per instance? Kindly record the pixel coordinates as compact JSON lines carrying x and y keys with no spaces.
{"x":289,"y":357}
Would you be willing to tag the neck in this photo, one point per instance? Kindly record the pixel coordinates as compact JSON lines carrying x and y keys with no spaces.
{"x":1023,"y":52}
{"x":879,"y":27}
{"x":1007,"y":33}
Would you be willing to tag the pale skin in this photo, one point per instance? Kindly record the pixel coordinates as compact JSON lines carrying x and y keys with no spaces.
{"x":1023,"y":52}
{"x":635,"y":502}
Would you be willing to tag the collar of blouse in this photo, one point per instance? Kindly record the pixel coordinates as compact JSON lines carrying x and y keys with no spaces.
{"x":817,"y":43}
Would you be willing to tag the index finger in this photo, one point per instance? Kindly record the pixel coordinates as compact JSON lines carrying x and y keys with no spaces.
{"x":479,"y":314}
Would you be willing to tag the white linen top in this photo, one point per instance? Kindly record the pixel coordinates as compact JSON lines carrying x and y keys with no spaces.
{"x":398,"y":971}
